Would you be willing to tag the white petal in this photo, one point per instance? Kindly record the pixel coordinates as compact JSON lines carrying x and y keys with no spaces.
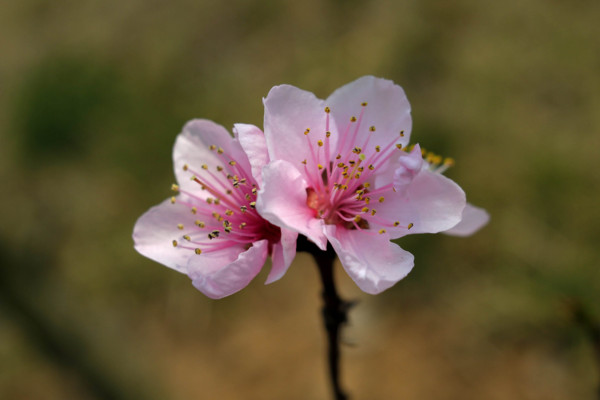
{"x":473,"y":219}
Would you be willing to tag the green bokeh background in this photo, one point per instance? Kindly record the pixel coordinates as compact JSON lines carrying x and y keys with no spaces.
{"x":92,"y":95}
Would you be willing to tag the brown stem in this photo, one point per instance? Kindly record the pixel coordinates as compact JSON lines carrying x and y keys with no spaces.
{"x":334,"y":309}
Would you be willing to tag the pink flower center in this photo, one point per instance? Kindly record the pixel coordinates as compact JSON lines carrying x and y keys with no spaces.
{"x":227,"y":217}
{"x":341,"y":179}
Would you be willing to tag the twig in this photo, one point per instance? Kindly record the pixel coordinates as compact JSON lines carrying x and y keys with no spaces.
{"x":334,"y":309}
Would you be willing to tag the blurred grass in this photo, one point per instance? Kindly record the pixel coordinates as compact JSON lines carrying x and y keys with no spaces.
{"x":92,"y":96}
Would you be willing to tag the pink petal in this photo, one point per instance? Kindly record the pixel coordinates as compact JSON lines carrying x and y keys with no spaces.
{"x":217,"y":281}
{"x":473,"y":219}
{"x":372,"y":261}
{"x":289,"y":111}
{"x":282,"y":201}
{"x":387,"y":109}
{"x":252,"y":140}
{"x":192,"y":148}
{"x":282,"y":255}
{"x":155,"y":231}
{"x":431,"y":202}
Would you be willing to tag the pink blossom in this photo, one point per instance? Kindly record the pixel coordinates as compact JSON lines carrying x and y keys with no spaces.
{"x":211,"y":230}
{"x":340,"y":172}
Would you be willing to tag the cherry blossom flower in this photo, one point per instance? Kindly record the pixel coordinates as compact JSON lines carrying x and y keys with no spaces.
{"x":340,"y":172}
{"x":210,"y":230}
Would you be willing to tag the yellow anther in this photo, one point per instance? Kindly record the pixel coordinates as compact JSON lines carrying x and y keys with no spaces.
{"x":373,"y":212}
{"x":209,"y":200}
{"x":377,"y":149}
{"x":401,"y":133}
{"x":320,"y":143}
{"x":371,"y":167}
{"x":199,"y":223}
{"x":341,"y":165}
{"x":423,"y":152}
{"x":365,"y":209}
{"x":367,"y":185}
{"x":396,"y":223}
{"x":307,"y":131}
{"x":338,"y":156}
{"x":185,"y":167}
{"x":243,"y":209}
{"x":253,"y":204}
{"x":381,"y":231}
{"x":186,"y":237}
{"x":353,"y":119}
{"x":357,"y":150}
{"x":381,"y":199}
{"x":197,"y":251}
{"x":319,"y":166}
{"x":304,"y":161}
{"x":449,"y":162}
{"x":172,"y":200}
{"x":180,"y":226}
{"x":219,"y":168}
{"x":229,"y":191}
{"x":217,"y":202}
{"x":327,"y":134}
{"x":437,"y":159}
{"x":344,"y":187}
{"x":367,"y":200}
{"x":372,"y":129}
{"x":254,"y":190}
{"x":220,"y":150}
{"x":174,"y":243}
{"x":194,"y":210}
{"x":357,"y":176}
{"x":216,"y":215}
{"x":399,"y":146}
{"x":247,"y":196}
{"x":213,"y":234}
{"x":357,"y":218}
{"x":232,"y":163}
{"x":410,"y":225}
{"x":364,"y":104}
{"x":327,"y":110}
{"x":204,"y":166}
{"x":175,"y":187}
{"x":229,"y":212}
{"x":212,"y":147}
{"x":242,"y":225}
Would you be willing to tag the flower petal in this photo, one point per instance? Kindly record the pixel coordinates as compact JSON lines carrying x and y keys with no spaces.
{"x":372,"y":261}
{"x":387,"y":110}
{"x":473,"y":219}
{"x":282,"y":255}
{"x":155,"y":231}
{"x":431,"y":203}
{"x":217,"y":281}
{"x":252,"y":140}
{"x":282,"y":201}
{"x":289,"y":111}
{"x":192,"y":147}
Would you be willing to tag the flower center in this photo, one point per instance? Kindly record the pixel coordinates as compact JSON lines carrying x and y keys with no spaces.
{"x":227,"y":216}
{"x":341,"y":179}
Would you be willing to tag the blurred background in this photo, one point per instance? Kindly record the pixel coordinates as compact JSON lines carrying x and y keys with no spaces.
{"x":92,"y":96}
